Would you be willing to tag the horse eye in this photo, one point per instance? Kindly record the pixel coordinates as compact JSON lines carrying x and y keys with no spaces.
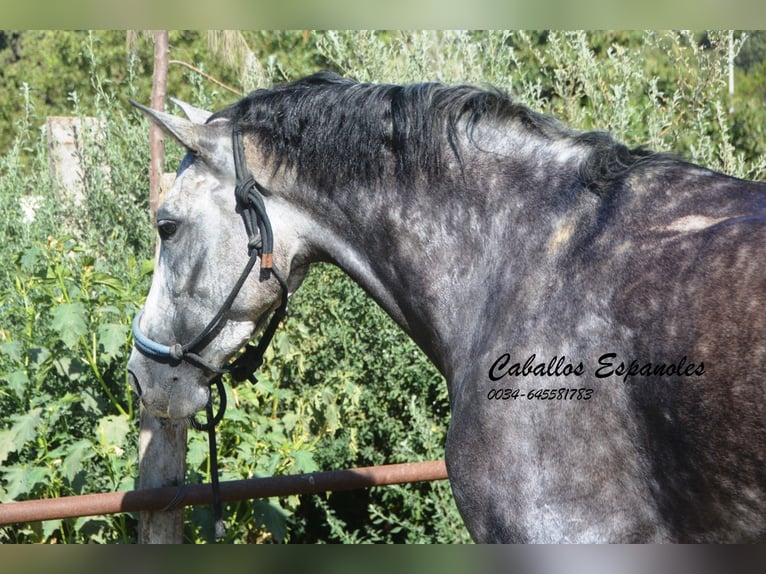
{"x":166,"y":228}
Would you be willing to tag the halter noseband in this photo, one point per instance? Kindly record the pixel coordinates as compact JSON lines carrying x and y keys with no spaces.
{"x":249,"y":196}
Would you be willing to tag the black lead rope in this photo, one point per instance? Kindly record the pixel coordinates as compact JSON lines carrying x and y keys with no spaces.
{"x":209,"y":426}
{"x":220,"y":529}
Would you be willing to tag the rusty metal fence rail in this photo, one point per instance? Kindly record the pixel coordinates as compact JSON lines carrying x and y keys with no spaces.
{"x":154,"y":499}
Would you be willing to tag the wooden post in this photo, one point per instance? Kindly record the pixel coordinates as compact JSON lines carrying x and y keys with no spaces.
{"x":161,"y":458}
{"x":162,"y":462}
{"x":67,"y":145}
{"x":156,"y":149}
{"x":161,"y":443}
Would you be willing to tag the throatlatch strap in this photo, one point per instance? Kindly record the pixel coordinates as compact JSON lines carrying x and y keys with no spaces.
{"x":251,"y":359}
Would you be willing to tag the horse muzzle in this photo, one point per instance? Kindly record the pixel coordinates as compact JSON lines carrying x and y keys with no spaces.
{"x":174,"y":391}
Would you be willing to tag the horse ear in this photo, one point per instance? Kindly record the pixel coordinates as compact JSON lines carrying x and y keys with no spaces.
{"x":197,"y":115}
{"x":184,"y":131}
{"x":200,"y":139}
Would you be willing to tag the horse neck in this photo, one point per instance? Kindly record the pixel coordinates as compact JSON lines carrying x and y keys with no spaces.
{"x":436,"y":255}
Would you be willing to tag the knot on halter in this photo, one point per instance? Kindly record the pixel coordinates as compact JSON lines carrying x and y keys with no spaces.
{"x":245,"y":197}
{"x":177,"y":351}
{"x":254,"y":242}
{"x":243,"y":189}
{"x":249,"y":196}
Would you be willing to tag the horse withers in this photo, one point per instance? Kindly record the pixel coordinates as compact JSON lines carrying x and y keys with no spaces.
{"x":596,"y":311}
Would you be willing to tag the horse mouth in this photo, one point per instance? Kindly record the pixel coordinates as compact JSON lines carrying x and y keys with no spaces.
{"x":175,"y":406}
{"x":168,"y":398}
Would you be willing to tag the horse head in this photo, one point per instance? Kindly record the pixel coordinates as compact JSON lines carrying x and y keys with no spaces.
{"x":198,"y":314}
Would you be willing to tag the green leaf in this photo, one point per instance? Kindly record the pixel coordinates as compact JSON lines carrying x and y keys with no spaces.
{"x":112,"y":338}
{"x":12,"y":349}
{"x":22,"y":479}
{"x":147,"y":266}
{"x":90,"y":403}
{"x":268,"y":463}
{"x":289,"y":420}
{"x":18,"y":381}
{"x":30,"y":258}
{"x":38,"y":355}
{"x":78,"y":452}
{"x":112,"y":430}
{"x":332,"y":419}
{"x":197,"y":452}
{"x":283,"y":344}
{"x":115,"y":284}
{"x":270,"y":516}
{"x":71,"y":368}
{"x":25,"y":426}
{"x":50,"y":526}
{"x":265,"y":386}
{"x":7,"y":444}
{"x":69,"y":399}
{"x":304,"y":461}
{"x":69,"y":321}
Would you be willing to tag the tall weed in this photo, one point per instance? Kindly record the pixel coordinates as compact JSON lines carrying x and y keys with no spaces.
{"x":73,"y":275}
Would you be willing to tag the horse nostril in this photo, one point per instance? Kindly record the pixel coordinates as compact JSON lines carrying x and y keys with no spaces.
{"x":133,"y":380}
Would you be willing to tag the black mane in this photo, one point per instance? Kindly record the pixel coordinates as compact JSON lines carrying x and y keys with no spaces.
{"x":334,"y":130}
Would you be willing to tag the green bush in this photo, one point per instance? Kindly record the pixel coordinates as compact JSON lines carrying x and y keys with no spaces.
{"x":342,"y":386}
{"x":72,"y":279}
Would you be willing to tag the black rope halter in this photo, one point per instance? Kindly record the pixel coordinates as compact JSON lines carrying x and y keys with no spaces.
{"x":249,"y":196}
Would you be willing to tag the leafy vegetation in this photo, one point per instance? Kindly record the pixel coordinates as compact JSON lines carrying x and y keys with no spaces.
{"x":342,"y":386}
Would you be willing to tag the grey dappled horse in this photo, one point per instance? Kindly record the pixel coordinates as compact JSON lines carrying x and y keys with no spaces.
{"x":597,"y":312}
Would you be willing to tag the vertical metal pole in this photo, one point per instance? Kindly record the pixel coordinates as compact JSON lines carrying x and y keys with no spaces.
{"x":162,"y":462}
